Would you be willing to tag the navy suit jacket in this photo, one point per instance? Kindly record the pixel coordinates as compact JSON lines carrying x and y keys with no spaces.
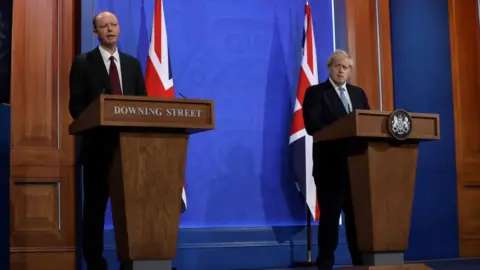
{"x":321,"y":107}
{"x":88,"y":79}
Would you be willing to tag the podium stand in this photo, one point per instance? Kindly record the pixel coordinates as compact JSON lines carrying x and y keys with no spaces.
{"x":147,"y":169}
{"x":382,"y":165}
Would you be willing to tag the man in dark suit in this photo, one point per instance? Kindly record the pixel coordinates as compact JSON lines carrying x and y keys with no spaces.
{"x":103,"y":70}
{"x":324,"y":104}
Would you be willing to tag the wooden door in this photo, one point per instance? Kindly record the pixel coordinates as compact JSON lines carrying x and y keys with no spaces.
{"x":42,"y":186}
{"x":465,"y":51}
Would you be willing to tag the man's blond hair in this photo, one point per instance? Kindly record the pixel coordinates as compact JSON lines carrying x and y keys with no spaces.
{"x":339,"y":55}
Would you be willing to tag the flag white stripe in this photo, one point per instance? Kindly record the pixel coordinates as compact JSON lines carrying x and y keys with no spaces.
{"x":297,"y":135}
{"x":311,"y":189}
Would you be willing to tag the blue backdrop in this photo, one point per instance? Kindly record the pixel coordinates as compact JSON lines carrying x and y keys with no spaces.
{"x":244,"y":55}
{"x":5,"y":52}
{"x":4,"y":186}
{"x":5,"y":49}
{"x":423,"y":83}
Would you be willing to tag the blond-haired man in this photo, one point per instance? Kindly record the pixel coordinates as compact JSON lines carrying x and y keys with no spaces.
{"x":324,"y":104}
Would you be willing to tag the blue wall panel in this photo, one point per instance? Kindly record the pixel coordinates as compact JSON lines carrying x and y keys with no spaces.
{"x":4,"y":186}
{"x":422,"y":83}
{"x":5,"y":59}
{"x":244,"y":55}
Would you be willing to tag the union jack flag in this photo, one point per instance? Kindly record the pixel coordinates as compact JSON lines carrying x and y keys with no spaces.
{"x":158,"y":75}
{"x":300,"y":142}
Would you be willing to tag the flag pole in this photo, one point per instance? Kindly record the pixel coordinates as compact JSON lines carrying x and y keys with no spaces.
{"x":309,"y":235}
{"x":309,"y":262}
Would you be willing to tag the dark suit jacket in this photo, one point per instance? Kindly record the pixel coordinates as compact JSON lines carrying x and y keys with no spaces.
{"x":321,"y":107}
{"x":88,"y":79}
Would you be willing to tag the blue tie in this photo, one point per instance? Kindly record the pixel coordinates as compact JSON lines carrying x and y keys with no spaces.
{"x":344,"y":99}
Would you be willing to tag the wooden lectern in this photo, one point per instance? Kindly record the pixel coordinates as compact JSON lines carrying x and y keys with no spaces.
{"x":382,"y":166}
{"x":147,"y":169}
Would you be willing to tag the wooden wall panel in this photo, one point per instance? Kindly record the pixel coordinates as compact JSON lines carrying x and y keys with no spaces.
{"x":385,"y":45}
{"x":465,"y":54}
{"x":42,"y":187}
{"x":42,"y":202}
{"x":41,"y":56}
{"x":370,"y":48}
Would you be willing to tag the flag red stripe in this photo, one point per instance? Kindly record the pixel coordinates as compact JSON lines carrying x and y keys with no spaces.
{"x":158,"y":28}
{"x":303,"y":84}
{"x":297,"y":123}
{"x":309,"y":38}
{"x":152,"y":81}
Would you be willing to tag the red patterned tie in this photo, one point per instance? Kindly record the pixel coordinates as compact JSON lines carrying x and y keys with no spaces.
{"x":114,"y":78}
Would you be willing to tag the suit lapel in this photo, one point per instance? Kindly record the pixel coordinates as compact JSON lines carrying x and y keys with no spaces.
{"x":124,"y":69}
{"x":99,"y":67}
{"x":335,"y":103}
{"x":353,"y":98}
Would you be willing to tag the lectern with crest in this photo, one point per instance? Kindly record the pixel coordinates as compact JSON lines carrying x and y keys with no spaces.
{"x":382,"y":164}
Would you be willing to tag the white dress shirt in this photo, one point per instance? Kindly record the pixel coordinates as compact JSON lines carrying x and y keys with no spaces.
{"x":106,"y":60}
{"x":337,"y":89}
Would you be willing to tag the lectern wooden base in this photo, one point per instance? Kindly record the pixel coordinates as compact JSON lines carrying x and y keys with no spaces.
{"x":389,"y":267}
{"x":146,"y":181}
{"x":383,"y":182}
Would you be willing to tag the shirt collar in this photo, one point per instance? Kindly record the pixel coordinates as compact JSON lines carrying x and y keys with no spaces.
{"x":106,"y":55}
{"x":344,"y":86}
